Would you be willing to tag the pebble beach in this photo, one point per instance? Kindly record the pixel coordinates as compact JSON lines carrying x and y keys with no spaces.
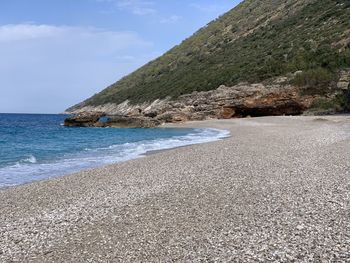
{"x":276,"y":190}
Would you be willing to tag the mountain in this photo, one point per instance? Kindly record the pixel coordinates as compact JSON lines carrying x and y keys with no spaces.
{"x":255,"y":42}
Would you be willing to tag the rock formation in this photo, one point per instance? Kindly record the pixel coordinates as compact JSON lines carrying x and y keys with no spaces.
{"x":273,"y":98}
{"x":84,"y":119}
{"x":223,"y":103}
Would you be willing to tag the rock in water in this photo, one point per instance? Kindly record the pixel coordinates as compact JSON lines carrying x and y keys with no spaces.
{"x":84,"y":119}
{"x":131,"y":122}
{"x":87,"y":119}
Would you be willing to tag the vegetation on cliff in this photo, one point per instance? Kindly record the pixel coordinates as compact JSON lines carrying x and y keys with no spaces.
{"x":253,"y":42}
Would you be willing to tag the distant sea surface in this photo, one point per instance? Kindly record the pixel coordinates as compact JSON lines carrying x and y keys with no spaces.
{"x":35,"y":147}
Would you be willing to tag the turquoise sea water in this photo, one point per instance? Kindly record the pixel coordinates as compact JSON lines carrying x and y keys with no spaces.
{"x":35,"y":147}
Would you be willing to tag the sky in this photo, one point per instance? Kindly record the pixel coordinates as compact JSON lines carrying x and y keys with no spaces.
{"x":56,"y":53}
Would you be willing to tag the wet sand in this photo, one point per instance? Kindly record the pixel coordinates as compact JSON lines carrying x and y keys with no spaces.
{"x":277,"y":190}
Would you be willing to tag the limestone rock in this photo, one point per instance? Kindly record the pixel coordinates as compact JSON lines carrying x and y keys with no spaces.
{"x":276,"y":97}
{"x":173,"y":117}
{"x":118,"y":121}
{"x":83,"y":119}
{"x":344,"y":80}
{"x":227,"y":112}
{"x":131,"y":122}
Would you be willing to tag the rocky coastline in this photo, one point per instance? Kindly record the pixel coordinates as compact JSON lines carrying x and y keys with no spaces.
{"x":276,"y":98}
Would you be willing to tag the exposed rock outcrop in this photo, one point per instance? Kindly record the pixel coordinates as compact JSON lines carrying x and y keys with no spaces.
{"x":344,"y":80}
{"x":245,"y":100}
{"x":241,"y":100}
{"x":84,"y":119}
{"x":276,"y":97}
{"x":131,"y":122}
{"x":93,"y":119}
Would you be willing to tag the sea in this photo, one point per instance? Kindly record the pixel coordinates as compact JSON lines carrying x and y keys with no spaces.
{"x":37,"y":146}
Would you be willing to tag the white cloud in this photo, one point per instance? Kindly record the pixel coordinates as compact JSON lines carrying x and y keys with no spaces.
{"x":27,"y":31}
{"x":136,"y":7}
{"x":108,"y":40}
{"x":48,"y":68}
{"x":171,"y":20}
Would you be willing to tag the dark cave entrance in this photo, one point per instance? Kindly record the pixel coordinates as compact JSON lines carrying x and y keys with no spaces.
{"x":290,"y":108}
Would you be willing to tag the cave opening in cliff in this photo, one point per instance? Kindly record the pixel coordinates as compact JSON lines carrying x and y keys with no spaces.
{"x":285,"y":109}
{"x":255,"y":112}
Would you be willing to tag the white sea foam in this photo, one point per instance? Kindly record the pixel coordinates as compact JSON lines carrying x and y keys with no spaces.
{"x":29,"y":159}
{"x":30,"y":170}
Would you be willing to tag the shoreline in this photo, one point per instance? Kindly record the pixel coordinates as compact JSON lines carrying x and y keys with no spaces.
{"x":200,"y":137}
{"x":179,"y":126}
{"x":266,"y":192}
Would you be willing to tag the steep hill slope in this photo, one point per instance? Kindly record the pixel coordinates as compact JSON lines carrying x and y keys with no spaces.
{"x":254,"y":42}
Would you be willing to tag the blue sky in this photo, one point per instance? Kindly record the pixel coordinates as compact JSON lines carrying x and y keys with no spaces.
{"x":55,"y":53}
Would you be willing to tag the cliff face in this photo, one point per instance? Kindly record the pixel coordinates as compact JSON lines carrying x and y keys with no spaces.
{"x":277,"y":97}
{"x":256,"y":42}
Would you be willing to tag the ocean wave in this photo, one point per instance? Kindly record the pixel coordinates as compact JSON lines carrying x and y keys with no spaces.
{"x":29,"y":159}
{"x":30,"y":170}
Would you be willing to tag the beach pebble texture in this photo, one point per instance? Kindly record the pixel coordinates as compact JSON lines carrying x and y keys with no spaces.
{"x":277,"y":190}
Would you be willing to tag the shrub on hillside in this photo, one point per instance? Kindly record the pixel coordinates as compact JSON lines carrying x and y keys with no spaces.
{"x":319,"y":78}
{"x":337,"y":104}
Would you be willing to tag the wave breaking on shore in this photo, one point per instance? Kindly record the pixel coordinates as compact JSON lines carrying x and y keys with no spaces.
{"x":30,"y":170}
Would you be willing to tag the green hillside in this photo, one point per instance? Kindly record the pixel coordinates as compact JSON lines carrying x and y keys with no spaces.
{"x":253,"y":42}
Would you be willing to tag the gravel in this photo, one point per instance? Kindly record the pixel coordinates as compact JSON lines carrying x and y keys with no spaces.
{"x":277,"y":190}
